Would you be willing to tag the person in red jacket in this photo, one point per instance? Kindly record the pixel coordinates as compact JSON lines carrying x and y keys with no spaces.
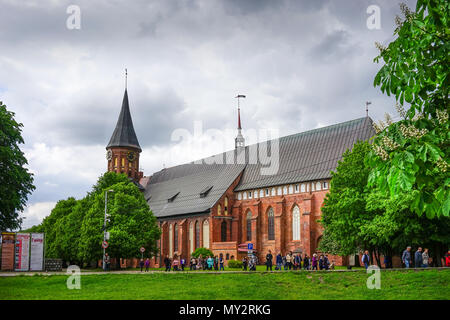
{"x":447,"y":259}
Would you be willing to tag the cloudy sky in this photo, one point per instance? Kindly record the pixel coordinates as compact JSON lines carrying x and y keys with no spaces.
{"x":301,"y":64}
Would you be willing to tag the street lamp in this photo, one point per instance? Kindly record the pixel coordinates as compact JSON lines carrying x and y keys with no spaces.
{"x":104,"y":229}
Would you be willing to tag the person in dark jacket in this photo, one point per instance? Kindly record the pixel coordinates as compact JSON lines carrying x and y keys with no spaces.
{"x":321,"y":262}
{"x":279,"y":261}
{"x":366,"y":259}
{"x":387,"y":262}
{"x":418,"y":260}
{"x":269,"y":259}
{"x":406,"y":257}
{"x":326,"y":262}
{"x":141,"y":264}
{"x":306,"y":262}
{"x":244,"y":263}
{"x":167,"y":262}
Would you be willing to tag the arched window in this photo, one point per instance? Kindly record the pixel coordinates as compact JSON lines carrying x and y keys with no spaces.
{"x":219,"y":210}
{"x":295,"y":223}
{"x":206,"y":234}
{"x":191,"y":237}
{"x":271,"y":224}
{"x":197,"y":235}
{"x":170,"y":240}
{"x":223,"y":231}
{"x":175,"y":238}
{"x":249,"y":226}
{"x":225,"y":203}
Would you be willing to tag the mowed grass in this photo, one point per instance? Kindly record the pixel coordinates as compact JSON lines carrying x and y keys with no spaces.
{"x":429,"y":284}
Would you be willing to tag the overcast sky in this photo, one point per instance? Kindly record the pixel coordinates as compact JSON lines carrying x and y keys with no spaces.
{"x":301,"y":64}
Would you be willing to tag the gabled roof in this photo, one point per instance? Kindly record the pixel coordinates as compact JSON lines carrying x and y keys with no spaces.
{"x":305,"y":156}
{"x":124,"y":134}
{"x":188,"y":181}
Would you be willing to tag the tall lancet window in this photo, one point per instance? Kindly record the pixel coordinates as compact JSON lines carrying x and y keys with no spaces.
{"x":206,"y":234}
{"x":197,"y":235}
{"x":191,"y":237}
{"x":175,"y":238}
{"x":271,"y":224}
{"x":170,"y":240}
{"x":295,"y":223}
{"x":223,"y":231}
{"x":249,"y":226}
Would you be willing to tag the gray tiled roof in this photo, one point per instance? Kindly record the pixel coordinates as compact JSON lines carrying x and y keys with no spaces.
{"x":305,"y":156}
{"x":309,"y":155}
{"x":189,"y":180}
{"x":124,"y":134}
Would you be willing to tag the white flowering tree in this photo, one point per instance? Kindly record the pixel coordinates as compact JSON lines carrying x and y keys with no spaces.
{"x":412,"y":155}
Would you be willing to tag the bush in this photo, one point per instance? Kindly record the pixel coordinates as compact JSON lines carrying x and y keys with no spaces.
{"x":202,"y":251}
{"x":235,"y":264}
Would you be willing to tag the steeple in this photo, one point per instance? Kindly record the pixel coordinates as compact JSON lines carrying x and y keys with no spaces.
{"x":123,"y":148}
{"x":239,"y":141}
{"x":124,"y":134}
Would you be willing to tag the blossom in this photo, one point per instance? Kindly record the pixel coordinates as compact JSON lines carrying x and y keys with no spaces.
{"x":411,"y":131}
{"x":442,"y":116}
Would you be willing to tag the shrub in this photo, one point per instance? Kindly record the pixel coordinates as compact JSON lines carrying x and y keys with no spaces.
{"x":234,"y":264}
{"x":202,"y":251}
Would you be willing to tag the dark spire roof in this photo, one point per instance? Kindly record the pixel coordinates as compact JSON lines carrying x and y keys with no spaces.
{"x":124,"y":135}
{"x":239,"y":118}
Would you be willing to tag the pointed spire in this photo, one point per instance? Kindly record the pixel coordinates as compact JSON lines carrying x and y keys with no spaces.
{"x":124,"y":134}
{"x":239,"y":141}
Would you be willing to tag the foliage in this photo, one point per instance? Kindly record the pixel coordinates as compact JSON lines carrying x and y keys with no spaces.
{"x":356,"y":217}
{"x":74,"y":228}
{"x":202,"y":251}
{"x":16,"y":183}
{"x":235,"y":264}
{"x":413,"y":154}
{"x":343,"y":212}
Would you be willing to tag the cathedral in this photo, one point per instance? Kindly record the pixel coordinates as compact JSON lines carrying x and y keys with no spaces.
{"x":229,"y":201}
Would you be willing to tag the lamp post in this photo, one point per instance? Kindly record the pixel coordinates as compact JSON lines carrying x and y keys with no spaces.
{"x":104,"y":229}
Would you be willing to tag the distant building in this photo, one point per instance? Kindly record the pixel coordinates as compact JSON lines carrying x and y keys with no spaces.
{"x":225,"y":206}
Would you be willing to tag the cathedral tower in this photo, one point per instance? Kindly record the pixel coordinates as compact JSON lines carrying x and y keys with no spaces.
{"x":123,"y":148}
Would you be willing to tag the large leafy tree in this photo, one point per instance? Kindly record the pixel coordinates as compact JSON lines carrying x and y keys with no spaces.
{"x":16,"y":183}
{"x":413,"y":154}
{"x":131,"y":224}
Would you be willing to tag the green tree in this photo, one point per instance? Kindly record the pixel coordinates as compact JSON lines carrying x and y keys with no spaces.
{"x":202,"y":251}
{"x":16,"y":183}
{"x":344,"y":210}
{"x":131,"y":223}
{"x":413,"y":154}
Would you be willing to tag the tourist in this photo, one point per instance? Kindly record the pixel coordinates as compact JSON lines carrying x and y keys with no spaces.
{"x":167,"y":262}
{"x":244,"y":263}
{"x":425,"y":258}
{"x":326,"y":262}
{"x":210,"y":262}
{"x":285,"y":266}
{"x":182,"y":263}
{"x":406,"y":257}
{"x":221,"y":262}
{"x":314,"y":262}
{"x":298,"y":260}
{"x":269,"y":258}
{"x":387,"y":261}
{"x":252,"y":263}
{"x":289,"y":260}
{"x":332,"y":265}
{"x":418,"y":261}
{"x":107,"y":262}
{"x":147,"y":264}
{"x":141,"y":264}
{"x":175,"y":263}
{"x":192,"y":264}
{"x":366,"y":259}
{"x":306,"y":262}
{"x":200,"y":262}
{"x":321,"y":262}
{"x":447,"y":259}
{"x":279,"y":261}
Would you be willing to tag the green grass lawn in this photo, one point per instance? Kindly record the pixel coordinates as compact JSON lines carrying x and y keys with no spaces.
{"x":429,"y":284}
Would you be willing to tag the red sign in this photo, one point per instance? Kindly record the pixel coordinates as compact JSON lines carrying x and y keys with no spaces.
{"x":8,"y":240}
{"x":105,"y":244}
{"x":142,"y":249}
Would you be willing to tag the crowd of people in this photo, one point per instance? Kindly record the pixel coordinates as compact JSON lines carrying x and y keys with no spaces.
{"x":178,"y":263}
{"x":291,"y":261}
{"x":295,"y":261}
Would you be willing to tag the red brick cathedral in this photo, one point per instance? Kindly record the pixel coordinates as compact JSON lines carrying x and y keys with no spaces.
{"x":235,"y":198}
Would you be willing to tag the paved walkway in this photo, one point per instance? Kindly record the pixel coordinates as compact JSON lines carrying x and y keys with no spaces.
{"x":62,"y":273}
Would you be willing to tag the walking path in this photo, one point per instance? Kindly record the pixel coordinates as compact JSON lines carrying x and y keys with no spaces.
{"x":60,"y":273}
